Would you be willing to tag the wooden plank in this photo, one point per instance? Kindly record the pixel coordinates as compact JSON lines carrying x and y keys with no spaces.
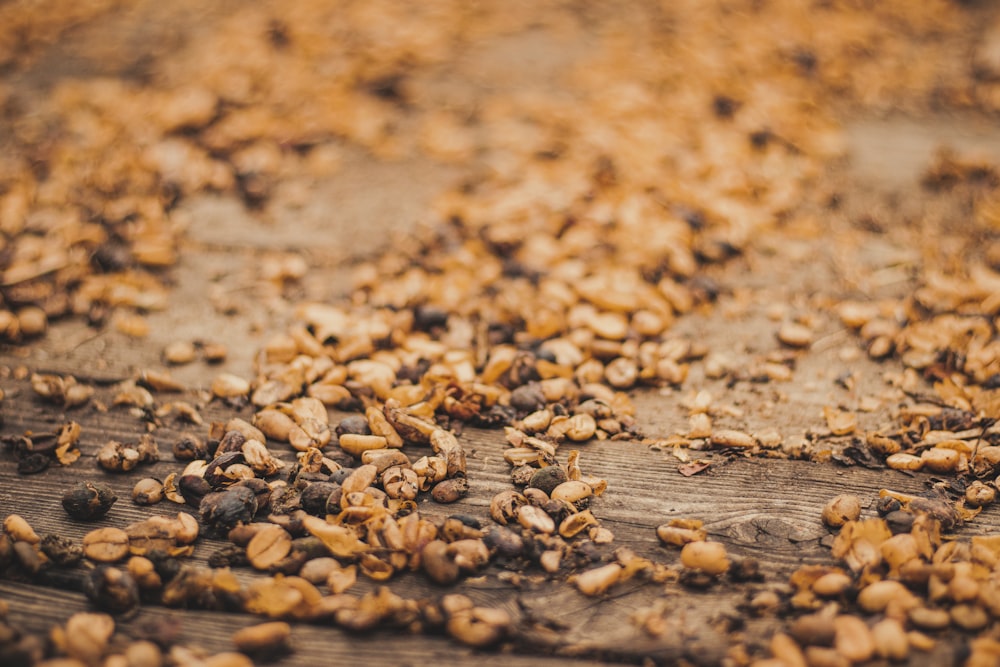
{"x":762,"y":509}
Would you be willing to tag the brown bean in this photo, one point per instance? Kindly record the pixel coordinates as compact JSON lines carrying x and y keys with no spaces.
{"x":853,"y":639}
{"x":20,"y":530}
{"x":841,"y":509}
{"x":263,"y":638}
{"x":268,"y":546}
{"x":106,"y":545}
{"x":890,"y":640}
{"x":708,"y":557}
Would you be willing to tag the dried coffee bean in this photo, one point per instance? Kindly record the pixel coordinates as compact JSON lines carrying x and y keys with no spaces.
{"x":878,"y":595}
{"x":450,"y":490}
{"x":598,"y":580}
{"x":314,"y":497}
{"x":890,"y":639}
{"x":268,"y":547}
{"x":61,"y":550}
{"x":338,"y":476}
{"x":795,"y":335}
{"x":87,"y":636}
{"x":147,"y":491}
{"x":438,"y":564}
{"x":33,"y":463}
{"x":106,"y":545}
{"x":927,"y":618}
{"x":535,"y":519}
{"x":87,"y":501}
{"x":708,"y":557}
{"x":731,"y":438}
{"x":222,"y":510}
{"x":193,"y":488}
{"x":527,"y":398}
{"x":521,"y":475}
{"x":317,"y":570}
{"x":263,"y":639}
{"x":841,"y":509}
{"x":261,"y":489}
{"x":231,"y":555}
{"x":190,"y":447}
{"x":285,"y":500}
{"x":460,"y":527}
{"x":179,"y":352}
{"x":31,"y":559}
{"x":899,"y":522}
{"x":111,"y":589}
{"x":548,"y":478}
{"x":887,"y":504}
{"x":217,"y":471}
{"x":144,"y":572}
{"x":853,"y":639}
{"x":504,"y":542}
{"x":573,"y":491}
{"x":144,"y":653}
{"x":746,"y":569}
{"x":813,"y":630}
{"x":937,"y":508}
{"x":118,"y":457}
{"x":479,"y":626}
{"x":979,"y":494}
{"x":19,"y":529}
{"x":504,"y":506}
{"x":353,"y":424}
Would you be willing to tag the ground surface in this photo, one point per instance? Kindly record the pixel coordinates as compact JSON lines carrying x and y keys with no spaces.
{"x":766,"y":509}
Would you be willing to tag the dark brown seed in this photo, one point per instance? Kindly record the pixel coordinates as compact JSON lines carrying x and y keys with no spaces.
{"x":504,"y":542}
{"x":216,"y":472}
{"x":190,"y":447}
{"x":548,"y":478}
{"x":230,"y":555}
{"x":33,"y":463}
{"x":111,"y":589}
{"x":223,"y":510}
{"x":193,"y":488}
{"x":527,"y":398}
{"x":353,"y":424}
{"x":30,"y":558}
{"x":61,"y":550}
{"x":314,"y":497}
{"x":22,"y":649}
{"x":88,"y":501}
{"x":450,"y":490}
